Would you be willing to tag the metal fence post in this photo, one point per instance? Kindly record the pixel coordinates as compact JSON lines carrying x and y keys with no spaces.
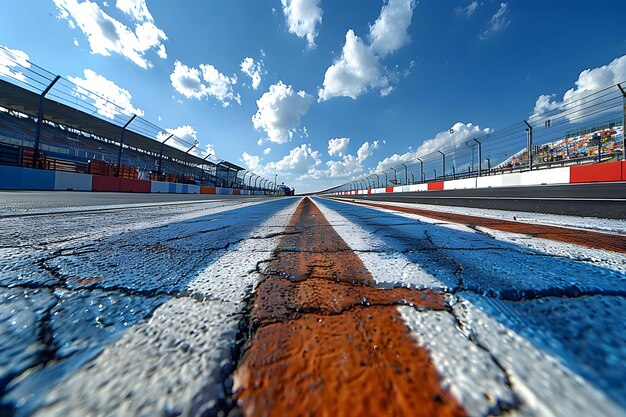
{"x":119,"y":155}
{"x":443,"y":165}
{"x":421,"y":169}
{"x":395,"y":176}
{"x":480,"y":165}
{"x":42,"y":97}
{"x":161,"y":153}
{"x":623,"y":122}
{"x":406,"y":174}
{"x":529,"y":131}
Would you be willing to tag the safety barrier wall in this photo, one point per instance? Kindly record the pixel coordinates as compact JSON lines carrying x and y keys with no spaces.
{"x":20,"y":178}
{"x":70,"y":181}
{"x":600,"y":172}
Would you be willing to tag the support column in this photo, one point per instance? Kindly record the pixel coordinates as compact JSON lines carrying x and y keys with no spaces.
{"x":119,"y":155}
{"x":42,"y":97}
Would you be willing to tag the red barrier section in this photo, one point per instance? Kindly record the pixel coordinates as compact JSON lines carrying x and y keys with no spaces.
{"x":435,"y":185}
{"x":369,"y":191}
{"x":100,"y":183}
{"x":623,"y":170}
{"x":607,"y":171}
{"x":389,"y":190}
{"x":207,"y":190}
{"x":236,"y":191}
{"x":134,"y":186}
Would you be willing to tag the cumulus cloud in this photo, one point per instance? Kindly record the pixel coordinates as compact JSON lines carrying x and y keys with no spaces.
{"x":253,"y":163}
{"x":456,"y":136}
{"x":359,"y":68}
{"x":348,"y":165}
{"x":280,"y":110}
{"x":137,"y":9}
{"x":389,"y":32}
{"x":267,"y":150}
{"x":589,"y":81}
{"x":338,"y":146}
{"x":11,"y":63}
{"x":252,"y":69}
{"x":107,"y":35}
{"x":109,"y":99}
{"x":468,"y":10}
{"x":204,"y":81}
{"x":302,"y":18}
{"x":499,"y":21}
{"x":298,"y":161}
{"x":355,"y":72}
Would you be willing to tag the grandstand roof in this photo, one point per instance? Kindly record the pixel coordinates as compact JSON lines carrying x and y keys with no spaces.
{"x":230,"y":165}
{"x":22,"y":100}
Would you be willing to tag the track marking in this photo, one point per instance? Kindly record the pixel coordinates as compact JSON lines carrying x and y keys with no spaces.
{"x":328,"y":342}
{"x":605,"y":241}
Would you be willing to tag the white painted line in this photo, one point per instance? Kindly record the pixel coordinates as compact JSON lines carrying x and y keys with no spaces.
{"x":174,"y":363}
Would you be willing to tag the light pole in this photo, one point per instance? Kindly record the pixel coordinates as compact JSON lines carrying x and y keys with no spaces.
{"x":275,"y":183}
{"x":406,"y":174}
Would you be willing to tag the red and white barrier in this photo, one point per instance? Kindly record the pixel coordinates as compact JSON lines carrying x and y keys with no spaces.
{"x":602,"y":172}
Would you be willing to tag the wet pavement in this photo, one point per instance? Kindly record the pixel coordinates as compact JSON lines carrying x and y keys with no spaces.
{"x":307,"y":307}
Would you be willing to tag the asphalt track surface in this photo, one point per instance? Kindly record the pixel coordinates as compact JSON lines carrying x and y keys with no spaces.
{"x":291,"y":306}
{"x":604,"y":200}
{"x":24,"y":201}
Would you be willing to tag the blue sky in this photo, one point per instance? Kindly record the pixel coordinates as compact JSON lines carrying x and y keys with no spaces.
{"x":320,"y":91}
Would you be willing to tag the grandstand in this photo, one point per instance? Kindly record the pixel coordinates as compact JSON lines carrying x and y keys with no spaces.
{"x":48,"y":122}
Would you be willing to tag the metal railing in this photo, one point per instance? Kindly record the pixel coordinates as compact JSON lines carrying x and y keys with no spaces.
{"x":585,"y":130}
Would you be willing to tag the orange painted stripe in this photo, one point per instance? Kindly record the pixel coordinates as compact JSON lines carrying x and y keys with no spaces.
{"x":328,"y":343}
{"x":605,"y":241}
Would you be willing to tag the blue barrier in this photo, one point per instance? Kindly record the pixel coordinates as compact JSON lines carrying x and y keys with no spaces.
{"x":17,"y":178}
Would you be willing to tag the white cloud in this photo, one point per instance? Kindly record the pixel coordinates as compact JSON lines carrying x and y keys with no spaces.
{"x":389,"y":32}
{"x":252,"y":162}
{"x":252,"y":69}
{"x":107,"y":35}
{"x":302,"y":18}
{"x":338,"y":146}
{"x":280,"y":110}
{"x":202,"y":82}
{"x":589,"y":81}
{"x":499,"y":21}
{"x":137,"y":9}
{"x":461,"y":132}
{"x":359,"y":68}
{"x":355,"y":72}
{"x":266,"y":151}
{"x":468,"y":10}
{"x":259,"y":142}
{"x":299,"y":161}
{"x":12,"y":61}
{"x":348,"y":165}
{"x":109,"y":99}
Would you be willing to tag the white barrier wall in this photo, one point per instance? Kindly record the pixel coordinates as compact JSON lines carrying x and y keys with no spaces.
{"x":418,"y":187}
{"x":461,"y":184}
{"x":546,"y":176}
{"x":72,"y":181}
